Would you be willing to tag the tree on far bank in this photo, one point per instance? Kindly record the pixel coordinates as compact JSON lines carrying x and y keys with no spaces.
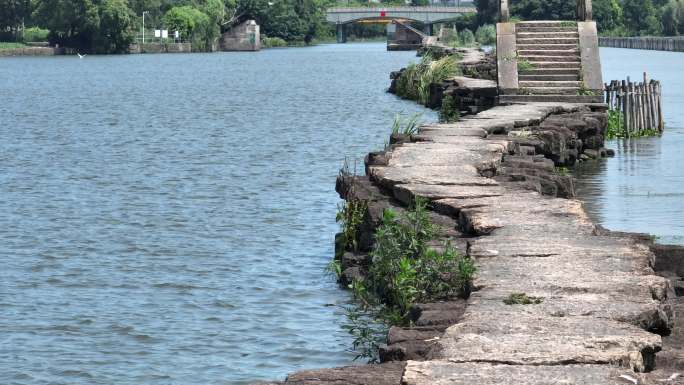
{"x":609,"y":16}
{"x":115,"y":33}
{"x":543,"y":9}
{"x":13,"y":13}
{"x":641,"y":17}
{"x":673,"y":18}
{"x":72,"y":23}
{"x":487,"y":11}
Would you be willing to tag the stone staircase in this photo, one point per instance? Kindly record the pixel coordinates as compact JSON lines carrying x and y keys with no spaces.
{"x":549,"y":64}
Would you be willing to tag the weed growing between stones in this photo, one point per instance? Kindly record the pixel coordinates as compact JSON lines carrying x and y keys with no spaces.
{"x":350,"y":215}
{"x":584,"y":91}
{"x":562,"y":170}
{"x":334,"y":268}
{"x":449,"y":112}
{"x":522,"y":299}
{"x":368,"y":332}
{"x":524,"y":65}
{"x":407,"y":126}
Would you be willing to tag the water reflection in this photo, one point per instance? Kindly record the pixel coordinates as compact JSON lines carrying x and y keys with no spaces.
{"x":642,"y":188}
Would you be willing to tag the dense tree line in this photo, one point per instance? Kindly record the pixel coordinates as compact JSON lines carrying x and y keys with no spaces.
{"x":110,"y":26}
{"x":614,"y":17}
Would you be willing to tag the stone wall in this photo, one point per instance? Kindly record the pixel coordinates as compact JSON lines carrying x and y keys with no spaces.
{"x":33,"y":51}
{"x":160,"y":48}
{"x":243,"y":37}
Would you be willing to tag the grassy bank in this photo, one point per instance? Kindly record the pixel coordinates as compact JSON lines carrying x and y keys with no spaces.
{"x":4,"y":45}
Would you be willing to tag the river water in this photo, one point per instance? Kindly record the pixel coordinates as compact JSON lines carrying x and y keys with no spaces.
{"x":166,"y":219}
{"x":642,"y":188}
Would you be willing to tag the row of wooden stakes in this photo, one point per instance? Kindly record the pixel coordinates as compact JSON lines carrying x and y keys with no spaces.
{"x":639,"y":104}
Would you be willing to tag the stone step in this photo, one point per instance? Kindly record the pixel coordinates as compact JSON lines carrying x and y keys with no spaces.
{"x":560,"y":78}
{"x":552,"y":40}
{"x":547,"y":35}
{"x":549,"y":84}
{"x":508,"y":99}
{"x":552,"y":71}
{"x":519,"y":29}
{"x":550,"y":58}
{"x":548,"y":90}
{"x":555,"y":64}
{"x":546,"y":47}
{"x":548,"y":52}
{"x":544,"y":23}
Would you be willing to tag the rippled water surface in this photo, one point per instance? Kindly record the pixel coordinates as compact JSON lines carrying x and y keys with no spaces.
{"x":642,"y":188}
{"x":166,"y":219}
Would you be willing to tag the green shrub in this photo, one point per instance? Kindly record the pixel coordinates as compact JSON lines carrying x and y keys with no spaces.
{"x":466,"y":38}
{"x":449,"y":112}
{"x":486,"y":34}
{"x":4,"y":45}
{"x":406,"y":271}
{"x":35,"y":34}
{"x":407,"y":86}
{"x":617,"y":129}
{"x":272,"y":42}
{"x":350,"y":215}
{"x":414,"y":82}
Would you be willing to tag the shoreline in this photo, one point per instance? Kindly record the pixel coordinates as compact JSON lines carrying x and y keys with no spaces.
{"x":509,"y":207}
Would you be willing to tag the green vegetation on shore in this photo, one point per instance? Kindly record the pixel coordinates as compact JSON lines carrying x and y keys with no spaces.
{"x":414,"y":82}
{"x":405,"y":271}
{"x":11,"y":45}
{"x":618,"y":130}
{"x":409,"y":266}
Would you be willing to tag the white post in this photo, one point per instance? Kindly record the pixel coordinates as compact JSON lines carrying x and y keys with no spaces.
{"x":144,"y":12}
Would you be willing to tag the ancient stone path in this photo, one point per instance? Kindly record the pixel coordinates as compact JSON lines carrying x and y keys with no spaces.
{"x":599,"y":295}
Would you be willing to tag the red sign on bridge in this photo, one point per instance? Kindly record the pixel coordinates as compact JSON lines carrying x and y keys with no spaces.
{"x":383,"y":13}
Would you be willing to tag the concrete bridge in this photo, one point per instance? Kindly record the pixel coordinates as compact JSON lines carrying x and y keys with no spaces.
{"x":427,"y":15}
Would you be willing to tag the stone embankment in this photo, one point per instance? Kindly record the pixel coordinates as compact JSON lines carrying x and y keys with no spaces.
{"x":645,"y":42}
{"x":35,"y":51}
{"x":556,"y":299}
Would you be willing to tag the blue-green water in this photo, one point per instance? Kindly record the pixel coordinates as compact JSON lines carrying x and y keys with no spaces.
{"x":166,"y":219}
{"x":642,"y":188}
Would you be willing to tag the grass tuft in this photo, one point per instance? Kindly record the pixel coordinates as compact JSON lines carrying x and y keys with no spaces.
{"x":522,"y":299}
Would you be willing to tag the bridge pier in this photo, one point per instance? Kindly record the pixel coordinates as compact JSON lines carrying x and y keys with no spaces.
{"x":428,"y":29}
{"x":341,"y":33}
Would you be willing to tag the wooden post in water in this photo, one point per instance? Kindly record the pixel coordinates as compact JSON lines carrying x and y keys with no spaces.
{"x":638,"y":104}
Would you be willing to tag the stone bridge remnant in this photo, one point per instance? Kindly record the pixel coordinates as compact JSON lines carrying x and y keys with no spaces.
{"x":242,"y":37}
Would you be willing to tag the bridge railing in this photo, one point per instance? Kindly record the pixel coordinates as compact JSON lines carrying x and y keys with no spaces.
{"x":434,"y":3}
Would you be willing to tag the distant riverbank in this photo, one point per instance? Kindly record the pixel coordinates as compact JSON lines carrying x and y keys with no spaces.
{"x":656,"y":43}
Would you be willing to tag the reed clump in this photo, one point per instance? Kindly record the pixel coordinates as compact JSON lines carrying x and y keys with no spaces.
{"x":414,"y":82}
